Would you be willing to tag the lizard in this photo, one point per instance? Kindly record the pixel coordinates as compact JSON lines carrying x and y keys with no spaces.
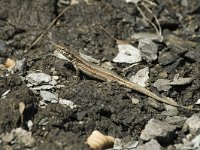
{"x":98,"y":72}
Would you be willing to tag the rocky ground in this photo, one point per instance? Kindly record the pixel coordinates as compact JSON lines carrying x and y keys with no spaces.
{"x":42,"y":104}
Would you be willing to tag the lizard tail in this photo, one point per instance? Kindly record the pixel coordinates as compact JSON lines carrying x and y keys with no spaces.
{"x":144,"y":91}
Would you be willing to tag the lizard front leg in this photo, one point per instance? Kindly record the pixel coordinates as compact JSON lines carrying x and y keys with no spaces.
{"x":77,"y":76}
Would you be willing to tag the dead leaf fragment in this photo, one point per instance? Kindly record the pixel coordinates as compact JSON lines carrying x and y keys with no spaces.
{"x":9,"y":63}
{"x":98,"y":141}
{"x":127,"y":54}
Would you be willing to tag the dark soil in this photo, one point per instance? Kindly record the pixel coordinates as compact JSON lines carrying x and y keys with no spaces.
{"x":102,"y":106}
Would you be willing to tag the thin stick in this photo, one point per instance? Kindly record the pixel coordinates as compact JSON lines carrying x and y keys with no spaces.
{"x":49,"y":26}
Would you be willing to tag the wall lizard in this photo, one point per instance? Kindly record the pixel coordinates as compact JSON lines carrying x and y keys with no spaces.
{"x":103,"y":74}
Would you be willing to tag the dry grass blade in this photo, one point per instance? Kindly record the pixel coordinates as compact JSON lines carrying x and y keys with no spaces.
{"x":156,"y":19}
{"x":158,"y":27}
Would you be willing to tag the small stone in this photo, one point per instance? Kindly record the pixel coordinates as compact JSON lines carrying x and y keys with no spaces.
{"x":171,"y":147}
{"x":118,"y":144}
{"x":151,"y":145}
{"x":171,"y":67}
{"x":194,"y":55}
{"x":55,"y":77}
{"x":131,"y":144}
{"x":30,"y":125}
{"x":189,"y":144}
{"x":141,"y":77}
{"x":196,"y":142}
{"x":8,"y":137}
{"x":148,"y":50}
{"x":38,"y":78}
{"x":24,"y":136}
{"x":80,"y":115}
{"x":185,"y":128}
{"x":162,"y":84}
{"x":178,"y":121}
{"x":184,"y":3}
{"x":59,"y":86}
{"x":178,"y":146}
{"x":166,"y":58}
{"x":170,"y":110}
{"x":159,"y":130}
{"x":178,"y":45}
{"x":20,"y":65}
{"x":135,"y":100}
{"x":69,"y":103}
{"x":20,"y":136}
{"x":193,"y":123}
{"x":163,"y":74}
{"x":49,"y":97}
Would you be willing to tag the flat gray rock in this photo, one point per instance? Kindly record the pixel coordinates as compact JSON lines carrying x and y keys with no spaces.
{"x":49,"y":97}
{"x":151,"y":145}
{"x":178,"y":121}
{"x":193,"y":123}
{"x":38,"y":78}
{"x":156,"y":129}
{"x":193,"y":55}
{"x":167,"y":57}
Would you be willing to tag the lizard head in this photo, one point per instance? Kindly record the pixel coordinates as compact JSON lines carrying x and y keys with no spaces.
{"x":64,"y":51}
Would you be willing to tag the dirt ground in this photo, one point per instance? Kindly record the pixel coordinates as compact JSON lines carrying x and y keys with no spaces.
{"x":102,"y":106}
